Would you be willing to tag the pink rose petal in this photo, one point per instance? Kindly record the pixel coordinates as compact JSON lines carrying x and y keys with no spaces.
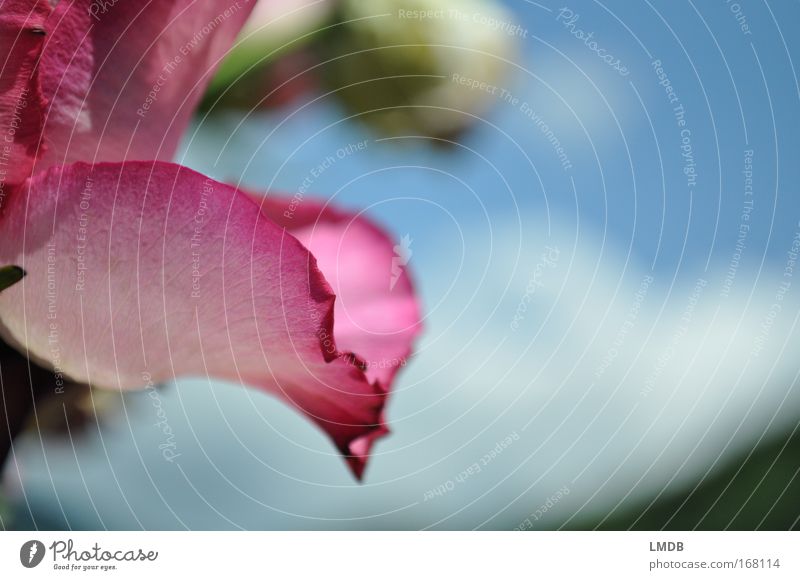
{"x":21,"y":106}
{"x":149,"y":271}
{"x":377,"y":313}
{"x":123,"y":78}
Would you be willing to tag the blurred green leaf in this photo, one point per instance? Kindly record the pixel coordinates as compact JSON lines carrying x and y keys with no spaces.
{"x":272,"y":31}
{"x":758,"y":490}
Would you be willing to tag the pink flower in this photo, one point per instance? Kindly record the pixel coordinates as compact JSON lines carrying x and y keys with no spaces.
{"x":140,"y":270}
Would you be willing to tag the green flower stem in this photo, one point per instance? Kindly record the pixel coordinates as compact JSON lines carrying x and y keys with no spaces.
{"x":22,"y":385}
{"x":10,"y":275}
